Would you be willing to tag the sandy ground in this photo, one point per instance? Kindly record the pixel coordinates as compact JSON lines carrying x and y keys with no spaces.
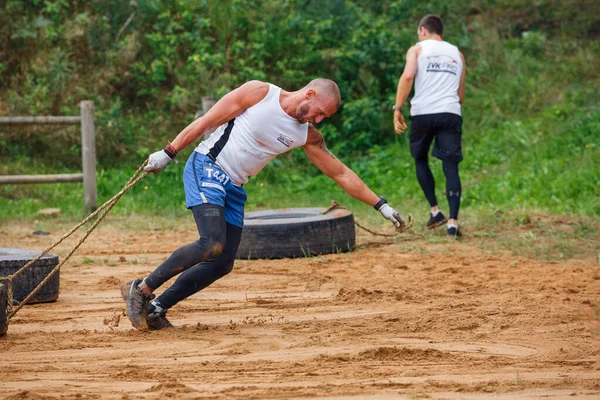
{"x":444,"y":320}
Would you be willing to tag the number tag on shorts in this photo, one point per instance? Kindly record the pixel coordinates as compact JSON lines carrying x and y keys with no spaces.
{"x":217,"y":175}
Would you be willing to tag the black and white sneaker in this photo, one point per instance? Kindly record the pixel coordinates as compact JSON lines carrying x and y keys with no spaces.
{"x":156,"y":317}
{"x":454,"y":232}
{"x":436,"y":221}
{"x":136,"y":303}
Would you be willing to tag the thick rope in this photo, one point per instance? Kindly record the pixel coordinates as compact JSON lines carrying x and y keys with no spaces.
{"x":106,"y":207}
{"x":377,"y":233}
{"x":335,"y":205}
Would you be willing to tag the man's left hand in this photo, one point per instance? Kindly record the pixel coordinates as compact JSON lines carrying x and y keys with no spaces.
{"x":399,"y":123}
{"x":393,"y":216}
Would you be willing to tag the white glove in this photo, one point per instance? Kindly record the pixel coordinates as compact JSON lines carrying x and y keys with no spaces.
{"x":394,"y":216}
{"x":157,"y":161}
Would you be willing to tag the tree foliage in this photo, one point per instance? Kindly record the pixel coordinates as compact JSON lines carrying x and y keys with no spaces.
{"x":147,"y":63}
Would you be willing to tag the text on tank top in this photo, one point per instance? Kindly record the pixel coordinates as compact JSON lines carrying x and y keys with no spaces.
{"x":439,"y":69}
{"x":244,"y":145}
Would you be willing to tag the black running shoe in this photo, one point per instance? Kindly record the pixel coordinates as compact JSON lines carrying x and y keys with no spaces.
{"x":136,"y":303}
{"x":436,"y":221}
{"x":156,"y":317}
{"x":454,"y":232}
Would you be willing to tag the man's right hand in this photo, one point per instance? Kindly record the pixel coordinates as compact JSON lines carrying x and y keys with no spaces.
{"x":157,"y":161}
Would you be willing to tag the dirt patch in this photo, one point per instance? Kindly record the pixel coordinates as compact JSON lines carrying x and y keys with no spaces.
{"x":25,"y":395}
{"x":367,"y":296}
{"x":411,"y":319}
{"x":109,"y":281}
{"x":175,"y":387}
{"x":403,"y":353}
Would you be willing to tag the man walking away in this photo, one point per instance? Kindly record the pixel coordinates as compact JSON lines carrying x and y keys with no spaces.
{"x":438,"y":69}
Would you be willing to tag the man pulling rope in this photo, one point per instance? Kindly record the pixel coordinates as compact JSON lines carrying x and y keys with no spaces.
{"x":254,"y":123}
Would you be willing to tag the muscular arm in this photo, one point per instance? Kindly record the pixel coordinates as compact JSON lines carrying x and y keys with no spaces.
{"x":318,"y":154}
{"x":404,"y":85}
{"x":230,"y":106}
{"x":461,"y":87}
{"x":408,"y":76}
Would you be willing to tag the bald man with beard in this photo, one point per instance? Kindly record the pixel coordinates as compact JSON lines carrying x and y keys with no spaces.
{"x":254,"y":123}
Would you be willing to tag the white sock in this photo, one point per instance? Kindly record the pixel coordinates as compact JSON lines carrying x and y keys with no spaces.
{"x":452,"y":226}
{"x":435,"y":213}
{"x":143,"y":285}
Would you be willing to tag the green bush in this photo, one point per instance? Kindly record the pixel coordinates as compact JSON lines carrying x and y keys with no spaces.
{"x":530,"y":114}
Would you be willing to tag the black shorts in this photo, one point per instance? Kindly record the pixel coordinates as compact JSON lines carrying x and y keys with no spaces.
{"x":446,"y":128}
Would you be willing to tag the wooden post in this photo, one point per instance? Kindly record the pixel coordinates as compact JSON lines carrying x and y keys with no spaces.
{"x":88,"y":156}
{"x":88,"y":153}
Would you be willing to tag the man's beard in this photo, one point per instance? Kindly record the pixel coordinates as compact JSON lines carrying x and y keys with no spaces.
{"x":301,"y":113}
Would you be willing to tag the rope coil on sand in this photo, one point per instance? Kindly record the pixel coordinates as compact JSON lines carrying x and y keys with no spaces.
{"x":335,"y":205}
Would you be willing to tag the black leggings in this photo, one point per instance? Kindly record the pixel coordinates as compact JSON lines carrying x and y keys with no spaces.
{"x":453,"y":185}
{"x":204,"y":261}
{"x":446,"y":130}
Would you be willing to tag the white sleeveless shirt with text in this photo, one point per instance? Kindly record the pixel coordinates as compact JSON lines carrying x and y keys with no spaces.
{"x":437,"y":80}
{"x":244,"y":145}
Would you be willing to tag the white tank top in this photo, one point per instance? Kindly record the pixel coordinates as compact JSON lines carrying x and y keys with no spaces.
{"x":244,"y":145}
{"x":438,"y":78}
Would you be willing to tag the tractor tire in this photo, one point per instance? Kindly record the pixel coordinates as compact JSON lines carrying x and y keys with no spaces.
{"x":13,"y":259}
{"x":3,"y":315}
{"x":296,"y":232}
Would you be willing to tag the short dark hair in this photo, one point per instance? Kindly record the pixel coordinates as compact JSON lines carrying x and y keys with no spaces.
{"x":433,"y":23}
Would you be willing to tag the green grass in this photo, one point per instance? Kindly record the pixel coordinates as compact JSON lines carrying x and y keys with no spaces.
{"x":531,"y":145}
{"x":548,"y":162}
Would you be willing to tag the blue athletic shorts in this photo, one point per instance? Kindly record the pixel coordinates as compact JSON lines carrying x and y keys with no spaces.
{"x":204,"y":182}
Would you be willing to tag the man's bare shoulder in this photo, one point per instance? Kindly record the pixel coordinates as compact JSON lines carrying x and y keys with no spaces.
{"x":252,"y":92}
{"x":315,"y":140}
{"x":257,"y":88}
{"x":314,"y":136}
{"x":415,"y":50}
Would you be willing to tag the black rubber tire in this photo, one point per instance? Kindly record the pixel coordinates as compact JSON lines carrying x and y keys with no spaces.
{"x":3,"y":316}
{"x":296,"y":232}
{"x":13,"y":259}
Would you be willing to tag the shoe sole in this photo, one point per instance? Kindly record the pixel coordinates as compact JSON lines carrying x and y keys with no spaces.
{"x":125,"y":293}
{"x":458,"y":236}
{"x":158,"y":328}
{"x":437,"y":224}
